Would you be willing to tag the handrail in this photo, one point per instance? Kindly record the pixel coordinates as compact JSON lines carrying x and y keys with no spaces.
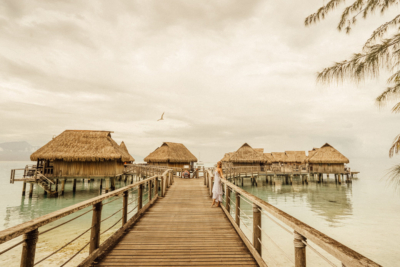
{"x":302,"y":231}
{"x":30,"y":231}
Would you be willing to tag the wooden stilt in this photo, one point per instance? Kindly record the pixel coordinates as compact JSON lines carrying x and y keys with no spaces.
{"x":62,"y":186}
{"x":74,"y":186}
{"x":30,"y":189}
{"x":23,"y":188}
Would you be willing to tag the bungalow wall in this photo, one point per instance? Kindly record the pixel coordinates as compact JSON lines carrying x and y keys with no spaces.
{"x":87,"y":168}
{"x":326,"y":167}
{"x":246,"y":166}
{"x":170,"y":164}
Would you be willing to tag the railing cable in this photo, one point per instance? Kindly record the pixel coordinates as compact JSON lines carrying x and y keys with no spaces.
{"x":284,"y":228}
{"x":272,"y":258}
{"x":64,"y":246}
{"x":119,"y":196}
{"x":284,"y":253}
{"x":75,"y":254}
{"x":13,"y":246}
{"x":48,"y":230}
{"x":318,"y":253}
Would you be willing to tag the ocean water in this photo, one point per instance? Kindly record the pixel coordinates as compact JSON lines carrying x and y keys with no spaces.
{"x":16,"y":209}
{"x":364,"y":216}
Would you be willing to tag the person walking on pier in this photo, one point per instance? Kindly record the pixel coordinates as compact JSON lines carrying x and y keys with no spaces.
{"x":217,"y":187}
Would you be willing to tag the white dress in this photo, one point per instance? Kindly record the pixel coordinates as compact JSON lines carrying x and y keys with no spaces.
{"x":217,"y":187}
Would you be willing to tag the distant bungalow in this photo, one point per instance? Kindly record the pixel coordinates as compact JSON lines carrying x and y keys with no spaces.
{"x":173,"y":155}
{"x":246,"y":156}
{"x":83,"y":154}
{"x":326,"y":160}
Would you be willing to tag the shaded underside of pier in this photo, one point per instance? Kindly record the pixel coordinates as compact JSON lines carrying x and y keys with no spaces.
{"x":181,"y":230}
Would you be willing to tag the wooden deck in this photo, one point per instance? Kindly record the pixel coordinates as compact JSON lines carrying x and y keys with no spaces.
{"x":181,"y":230}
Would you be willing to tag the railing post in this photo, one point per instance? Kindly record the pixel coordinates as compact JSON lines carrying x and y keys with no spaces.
{"x":211,"y":185}
{"x":149,"y":189}
{"x":125,"y":208}
{"x":237,"y":211}
{"x":29,"y":248}
{"x":299,"y":250}
{"x":162,"y":185}
{"x":96,"y":223}
{"x":140,"y":197}
{"x":156,"y":186}
{"x":228,"y":199}
{"x":257,"y":228}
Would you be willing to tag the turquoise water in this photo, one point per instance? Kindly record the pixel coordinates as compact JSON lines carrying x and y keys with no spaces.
{"x":364,"y":216}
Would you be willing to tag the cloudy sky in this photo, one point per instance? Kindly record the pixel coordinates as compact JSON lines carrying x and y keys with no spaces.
{"x":224,"y":72}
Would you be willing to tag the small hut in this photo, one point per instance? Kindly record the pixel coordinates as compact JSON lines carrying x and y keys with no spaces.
{"x":226,"y":160}
{"x":296,"y":160}
{"x":173,"y":155}
{"x":326,"y":160}
{"x":125,"y":150}
{"x":246,"y":156}
{"x":80,"y":153}
{"x":278,"y":161}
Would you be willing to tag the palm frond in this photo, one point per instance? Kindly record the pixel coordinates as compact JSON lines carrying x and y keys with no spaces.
{"x":394,"y":149}
{"x":390,"y":94}
{"x":393,"y":177}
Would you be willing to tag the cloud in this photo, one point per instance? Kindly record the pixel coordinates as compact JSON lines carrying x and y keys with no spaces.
{"x":224,"y":72}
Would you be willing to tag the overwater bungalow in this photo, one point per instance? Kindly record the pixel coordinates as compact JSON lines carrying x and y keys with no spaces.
{"x":326,"y":160}
{"x":82,"y":154}
{"x":278,"y":161}
{"x":173,"y":155}
{"x":226,"y":163}
{"x":296,"y":160}
{"x":246,"y":156}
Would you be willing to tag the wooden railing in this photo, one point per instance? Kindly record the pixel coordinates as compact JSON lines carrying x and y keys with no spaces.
{"x":300,"y":231}
{"x":30,"y":230}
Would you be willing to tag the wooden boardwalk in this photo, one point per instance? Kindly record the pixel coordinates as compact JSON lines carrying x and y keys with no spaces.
{"x":181,"y":230}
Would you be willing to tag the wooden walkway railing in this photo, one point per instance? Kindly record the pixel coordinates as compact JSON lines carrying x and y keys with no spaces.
{"x":30,"y":230}
{"x":299,"y":231}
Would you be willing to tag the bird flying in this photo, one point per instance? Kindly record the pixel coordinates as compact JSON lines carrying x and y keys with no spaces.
{"x":162,"y":117}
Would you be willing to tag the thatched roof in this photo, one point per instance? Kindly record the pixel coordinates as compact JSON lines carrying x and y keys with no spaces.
{"x":327,"y":154}
{"x":125,"y":149}
{"x":278,"y":157}
{"x":171,"y":152}
{"x":295,"y":156}
{"x":268,"y":157}
{"x":312,"y":152}
{"x":246,"y":154}
{"x":81,"y":145}
{"x":227,"y":157}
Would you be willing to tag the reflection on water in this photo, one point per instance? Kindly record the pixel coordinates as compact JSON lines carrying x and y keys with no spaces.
{"x":328,"y":199}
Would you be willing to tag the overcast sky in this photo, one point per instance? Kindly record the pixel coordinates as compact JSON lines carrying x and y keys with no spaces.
{"x":224,"y":72}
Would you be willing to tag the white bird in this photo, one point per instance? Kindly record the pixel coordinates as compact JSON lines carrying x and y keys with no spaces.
{"x":162,"y":117}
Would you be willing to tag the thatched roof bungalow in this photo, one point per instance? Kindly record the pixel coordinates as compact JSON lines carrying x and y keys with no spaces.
{"x":248,"y":156}
{"x":82,"y":153}
{"x":326,"y":160}
{"x":171,"y":155}
{"x":296,"y":157}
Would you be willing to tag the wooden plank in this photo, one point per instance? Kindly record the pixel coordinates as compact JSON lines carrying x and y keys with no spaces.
{"x":181,"y":230}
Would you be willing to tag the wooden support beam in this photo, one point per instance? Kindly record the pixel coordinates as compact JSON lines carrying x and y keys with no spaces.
{"x":140,"y":196}
{"x":29,"y":248}
{"x":30,"y":189}
{"x":299,"y":250}
{"x":96,"y":224}
{"x":257,"y":228}
{"x":228,"y":199}
{"x":62,"y":186}
{"x":74,"y":186}
{"x":237,"y":209}
{"x":125,"y":208}
{"x":23,"y":188}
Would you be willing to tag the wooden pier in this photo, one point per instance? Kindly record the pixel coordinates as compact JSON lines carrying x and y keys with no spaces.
{"x":177,"y":227}
{"x":181,"y":230}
